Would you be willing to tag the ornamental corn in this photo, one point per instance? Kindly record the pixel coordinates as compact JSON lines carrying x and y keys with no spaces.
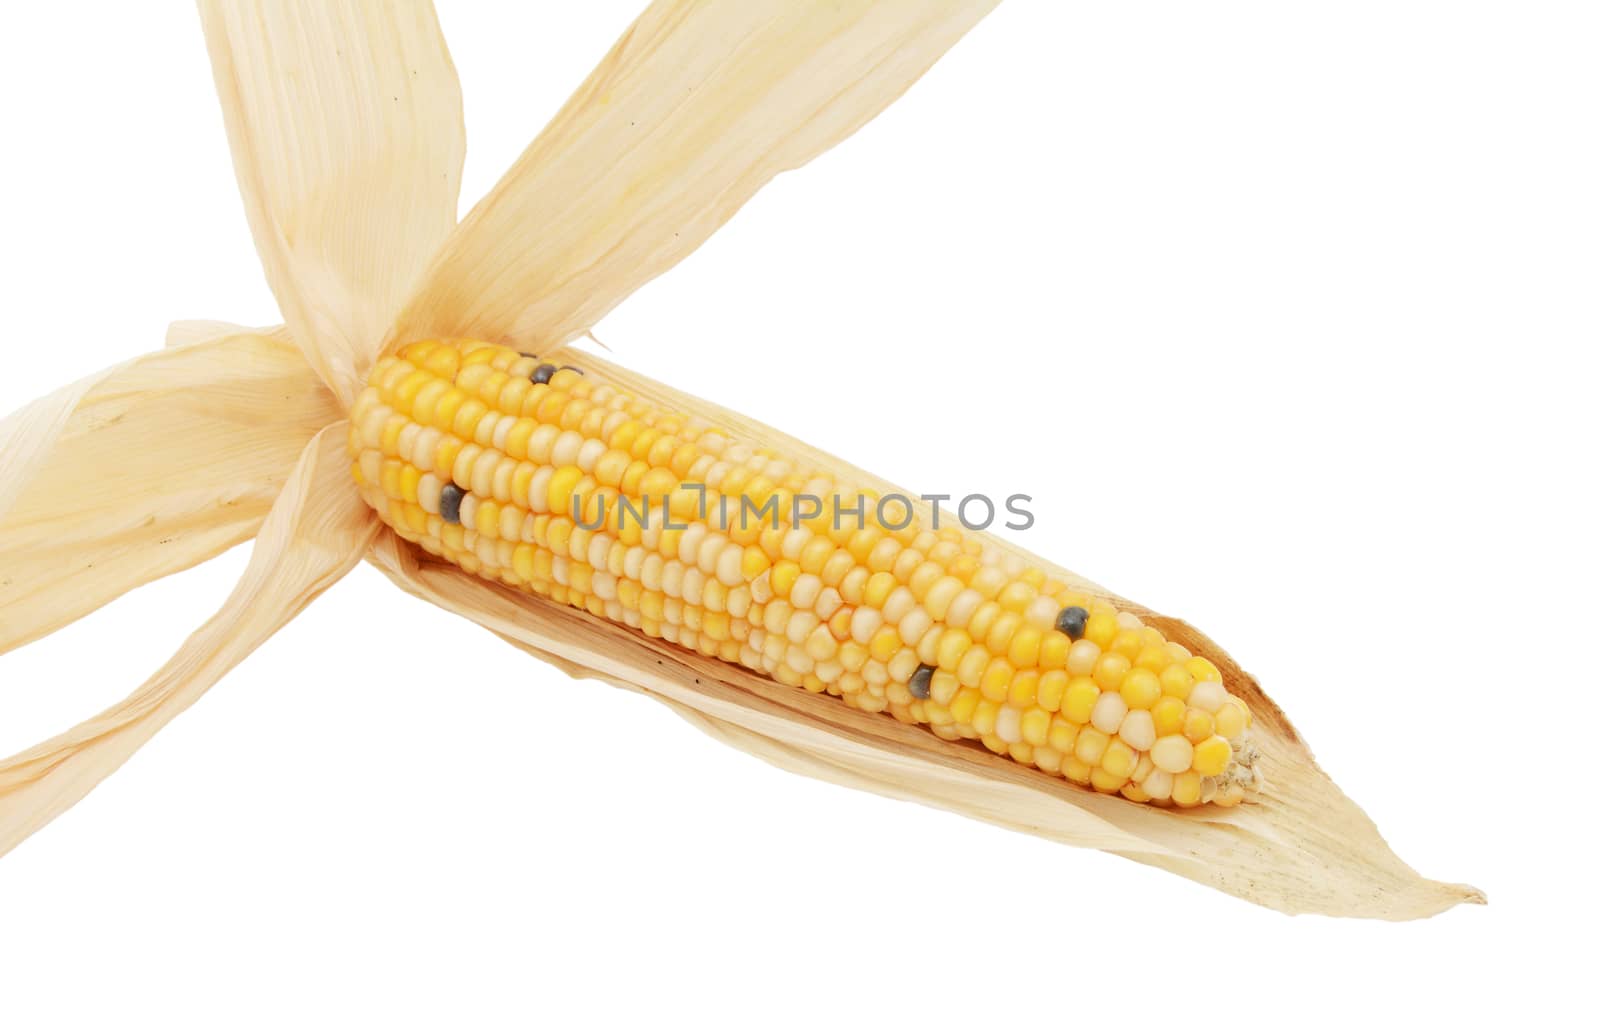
{"x":566,"y":485}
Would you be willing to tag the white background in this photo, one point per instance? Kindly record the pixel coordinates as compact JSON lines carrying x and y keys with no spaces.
{"x":1285,"y":315}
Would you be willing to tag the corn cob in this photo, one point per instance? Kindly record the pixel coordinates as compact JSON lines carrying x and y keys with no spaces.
{"x":559,"y":482}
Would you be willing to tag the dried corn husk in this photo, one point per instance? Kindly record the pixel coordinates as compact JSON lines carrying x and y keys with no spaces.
{"x":345,"y":123}
{"x":144,"y":470}
{"x":317,"y":530}
{"x":697,"y":106}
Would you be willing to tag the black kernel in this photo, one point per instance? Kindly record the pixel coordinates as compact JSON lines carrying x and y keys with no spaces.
{"x":921,"y":682}
{"x":1071,"y":621}
{"x":542,"y":373}
{"x":450,"y":502}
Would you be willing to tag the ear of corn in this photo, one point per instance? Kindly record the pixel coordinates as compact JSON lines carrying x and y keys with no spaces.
{"x":559,"y":482}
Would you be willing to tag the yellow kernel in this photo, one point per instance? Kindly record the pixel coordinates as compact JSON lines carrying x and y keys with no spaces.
{"x":1153,"y":658}
{"x":1231,"y":719}
{"x":1024,"y":648}
{"x":1197,"y":725}
{"x":1091,"y":745}
{"x":1053,"y":649}
{"x":1105,"y":781}
{"x":1168,"y":715}
{"x":1078,"y":702}
{"x":1000,"y":632}
{"x":753,"y":563}
{"x":1063,"y":735}
{"x":1211,"y":755}
{"x":1076,"y":770}
{"x":1176,"y":680}
{"x":784,"y":575}
{"x":984,"y":718}
{"x":996,"y":683}
{"x":1052,"y":687}
{"x":1140,"y":688}
{"x":1202,"y":669}
{"x":878,"y":588}
{"x":1101,"y":628}
{"x":562,"y":484}
{"x":1186,"y":788}
{"x":1118,"y":759}
{"x":1036,"y":726}
{"x":1024,"y":691}
{"x":953,"y":645}
{"x":964,"y":704}
{"x":1128,"y":644}
{"x":1110,"y":671}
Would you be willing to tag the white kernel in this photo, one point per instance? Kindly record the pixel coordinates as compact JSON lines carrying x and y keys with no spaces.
{"x":372,"y":425}
{"x":1042,"y":612}
{"x":898,"y":604}
{"x":589,"y":453}
{"x":605,"y":585}
{"x":428,"y":490}
{"x":914,"y":624}
{"x":1128,"y":621}
{"x":710,"y":548}
{"x":500,"y":485}
{"x":1109,"y":711}
{"x":483,"y":434}
{"x":962,"y":607}
{"x":510,"y":523}
{"x":1158,"y":784}
{"x":805,"y":591}
{"x":692,"y":582}
{"x":502,"y":430}
{"x":800,"y":626}
{"x":482,"y":479}
{"x":794,"y":543}
{"x":1008,"y":724}
{"x":730,"y":566}
{"x":689,"y":542}
{"x":1208,"y":695}
{"x":600,"y":551}
{"x":565,"y":451}
{"x":864,"y":622}
{"x":425,"y":449}
{"x":650,"y":572}
{"x":406,"y":444}
{"x":672,"y":579}
{"x":1173,"y":754}
{"x":1081,"y":657}
{"x":633,"y":561}
{"x":539,"y":490}
{"x":1138,"y":730}
{"x":827,"y":604}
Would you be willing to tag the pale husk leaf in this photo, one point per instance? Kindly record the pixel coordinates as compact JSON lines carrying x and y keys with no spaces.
{"x":1299,"y":846}
{"x":698,"y":105}
{"x":316,"y":531}
{"x":146,"y":469}
{"x":345,"y":122}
